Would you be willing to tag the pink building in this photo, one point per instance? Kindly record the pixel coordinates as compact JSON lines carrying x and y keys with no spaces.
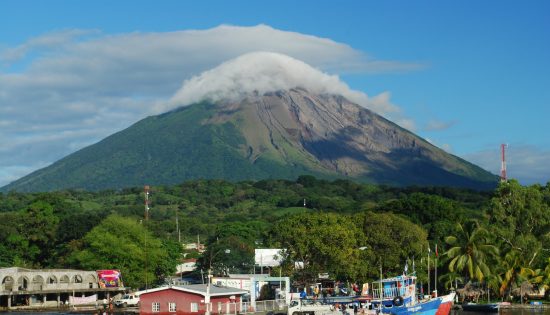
{"x":191,"y":300}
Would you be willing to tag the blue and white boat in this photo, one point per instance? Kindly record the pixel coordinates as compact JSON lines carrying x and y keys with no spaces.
{"x":398,"y":296}
{"x":395,"y":296}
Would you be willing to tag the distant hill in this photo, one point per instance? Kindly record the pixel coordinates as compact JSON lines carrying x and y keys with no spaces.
{"x":282,"y":134}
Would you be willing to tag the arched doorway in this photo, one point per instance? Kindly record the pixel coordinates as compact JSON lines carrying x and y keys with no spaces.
{"x":64,"y":280}
{"x":92,"y":281}
{"x":52,"y":279}
{"x":22,"y":283}
{"x":7,"y":283}
{"x":37,"y":283}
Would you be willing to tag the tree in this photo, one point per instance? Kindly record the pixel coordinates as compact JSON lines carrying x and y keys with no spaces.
{"x":469,"y":250}
{"x":231,"y":248}
{"x":516,"y":274}
{"x":520,"y":218}
{"x":451,"y":280}
{"x":124,"y":244}
{"x":36,"y":229}
{"x":391,"y":239}
{"x":322,"y":242}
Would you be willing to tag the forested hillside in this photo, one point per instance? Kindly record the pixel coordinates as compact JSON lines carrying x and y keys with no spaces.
{"x":346,"y":229}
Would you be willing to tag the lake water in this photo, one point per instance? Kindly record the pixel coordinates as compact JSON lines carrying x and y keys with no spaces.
{"x":509,"y":311}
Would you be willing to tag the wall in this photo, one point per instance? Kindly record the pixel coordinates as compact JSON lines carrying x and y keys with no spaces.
{"x":183,"y":302}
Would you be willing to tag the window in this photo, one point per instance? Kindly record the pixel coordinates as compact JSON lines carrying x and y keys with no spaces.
{"x":194,"y":307}
{"x":171,"y":307}
{"x":156,"y":307}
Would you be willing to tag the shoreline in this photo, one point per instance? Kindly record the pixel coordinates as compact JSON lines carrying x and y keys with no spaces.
{"x":512,"y":306}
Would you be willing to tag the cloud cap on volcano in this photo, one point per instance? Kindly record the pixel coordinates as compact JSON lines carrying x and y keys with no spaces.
{"x":267,"y":72}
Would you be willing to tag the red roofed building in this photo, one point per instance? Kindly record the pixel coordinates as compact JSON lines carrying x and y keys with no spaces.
{"x":191,"y":300}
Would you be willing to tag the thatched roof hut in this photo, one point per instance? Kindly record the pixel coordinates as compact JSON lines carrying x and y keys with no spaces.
{"x":470,"y":292}
{"x":528,"y":290}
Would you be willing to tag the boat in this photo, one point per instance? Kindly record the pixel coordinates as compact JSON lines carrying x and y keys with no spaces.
{"x":446,"y":304}
{"x":398,"y":296}
{"x":395,"y":296}
{"x":481,"y":308}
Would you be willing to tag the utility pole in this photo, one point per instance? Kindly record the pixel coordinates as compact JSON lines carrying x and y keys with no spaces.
{"x":178,"y":228}
{"x":435,"y":278}
{"x":503,"y":176}
{"x":207,"y":297}
{"x":429,"y":252}
{"x":146,"y":192}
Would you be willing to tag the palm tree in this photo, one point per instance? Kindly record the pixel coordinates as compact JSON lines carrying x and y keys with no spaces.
{"x":451,"y":280}
{"x":469,"y":250}
{"x":546,"y":280}
{"x":513,"y":272}
{"x":493,"y":282}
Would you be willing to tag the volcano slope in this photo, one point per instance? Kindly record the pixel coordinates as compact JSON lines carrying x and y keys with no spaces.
{"x":282,"y":134}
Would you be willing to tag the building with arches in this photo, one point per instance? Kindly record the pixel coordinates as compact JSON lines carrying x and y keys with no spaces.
{"x":20,"y":287}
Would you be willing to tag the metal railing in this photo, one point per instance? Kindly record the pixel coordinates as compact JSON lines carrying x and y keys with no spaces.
{"x":388,"y":293}
{"x":245,"y":308}
{"x":265,"y":306}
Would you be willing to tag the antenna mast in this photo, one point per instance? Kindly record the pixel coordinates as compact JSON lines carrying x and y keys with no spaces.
{"x":503,"y":177}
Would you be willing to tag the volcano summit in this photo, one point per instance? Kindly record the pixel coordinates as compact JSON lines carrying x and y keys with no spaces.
{"x":262,"y":115}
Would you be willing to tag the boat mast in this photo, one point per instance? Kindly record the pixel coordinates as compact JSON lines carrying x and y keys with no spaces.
{"x":381,"y":287}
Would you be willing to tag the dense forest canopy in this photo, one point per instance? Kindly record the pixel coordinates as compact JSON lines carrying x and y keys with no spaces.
{"x":500,"y":239}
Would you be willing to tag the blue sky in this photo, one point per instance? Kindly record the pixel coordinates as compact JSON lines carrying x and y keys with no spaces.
{"x":467,"y":75}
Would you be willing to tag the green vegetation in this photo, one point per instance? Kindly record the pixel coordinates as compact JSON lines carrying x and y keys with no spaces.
{"x":470,"y":250}
{"x":497,"y":239}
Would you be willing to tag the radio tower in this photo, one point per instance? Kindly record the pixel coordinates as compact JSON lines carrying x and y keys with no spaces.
{"x":146,"y":190}
{"x":503,"y":177}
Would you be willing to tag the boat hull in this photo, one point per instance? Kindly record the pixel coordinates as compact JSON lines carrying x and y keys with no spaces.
{"x":481,"y":308}
{"x":424,"y":308}
{"x":446,"y":304}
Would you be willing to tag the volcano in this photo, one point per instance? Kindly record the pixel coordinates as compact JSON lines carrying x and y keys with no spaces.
{"x":260,"y":116}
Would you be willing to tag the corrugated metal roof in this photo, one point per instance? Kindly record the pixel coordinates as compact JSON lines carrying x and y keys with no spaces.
{"x":201,"y":289}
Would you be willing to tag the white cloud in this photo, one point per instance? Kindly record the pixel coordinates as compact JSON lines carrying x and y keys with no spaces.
{"x":437,"y":125}
{"x":444,"y":146}
{"x":526,"y":163}
{"x":266,"y":72}
{"x":84,"y":85}
{"x":11,"y":173}
{"x":406,"y":123}
{"x":46,"y":41}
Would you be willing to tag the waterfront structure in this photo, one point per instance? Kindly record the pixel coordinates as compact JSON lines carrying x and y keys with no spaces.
{"x":46,"y":288}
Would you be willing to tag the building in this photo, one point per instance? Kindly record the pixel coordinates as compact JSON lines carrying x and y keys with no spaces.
{"x":27,"y":288}
{"x":193,"y":299}
{"x":195,"y":246}
{"x":187,"y":266}
{"x":253,"y":284}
